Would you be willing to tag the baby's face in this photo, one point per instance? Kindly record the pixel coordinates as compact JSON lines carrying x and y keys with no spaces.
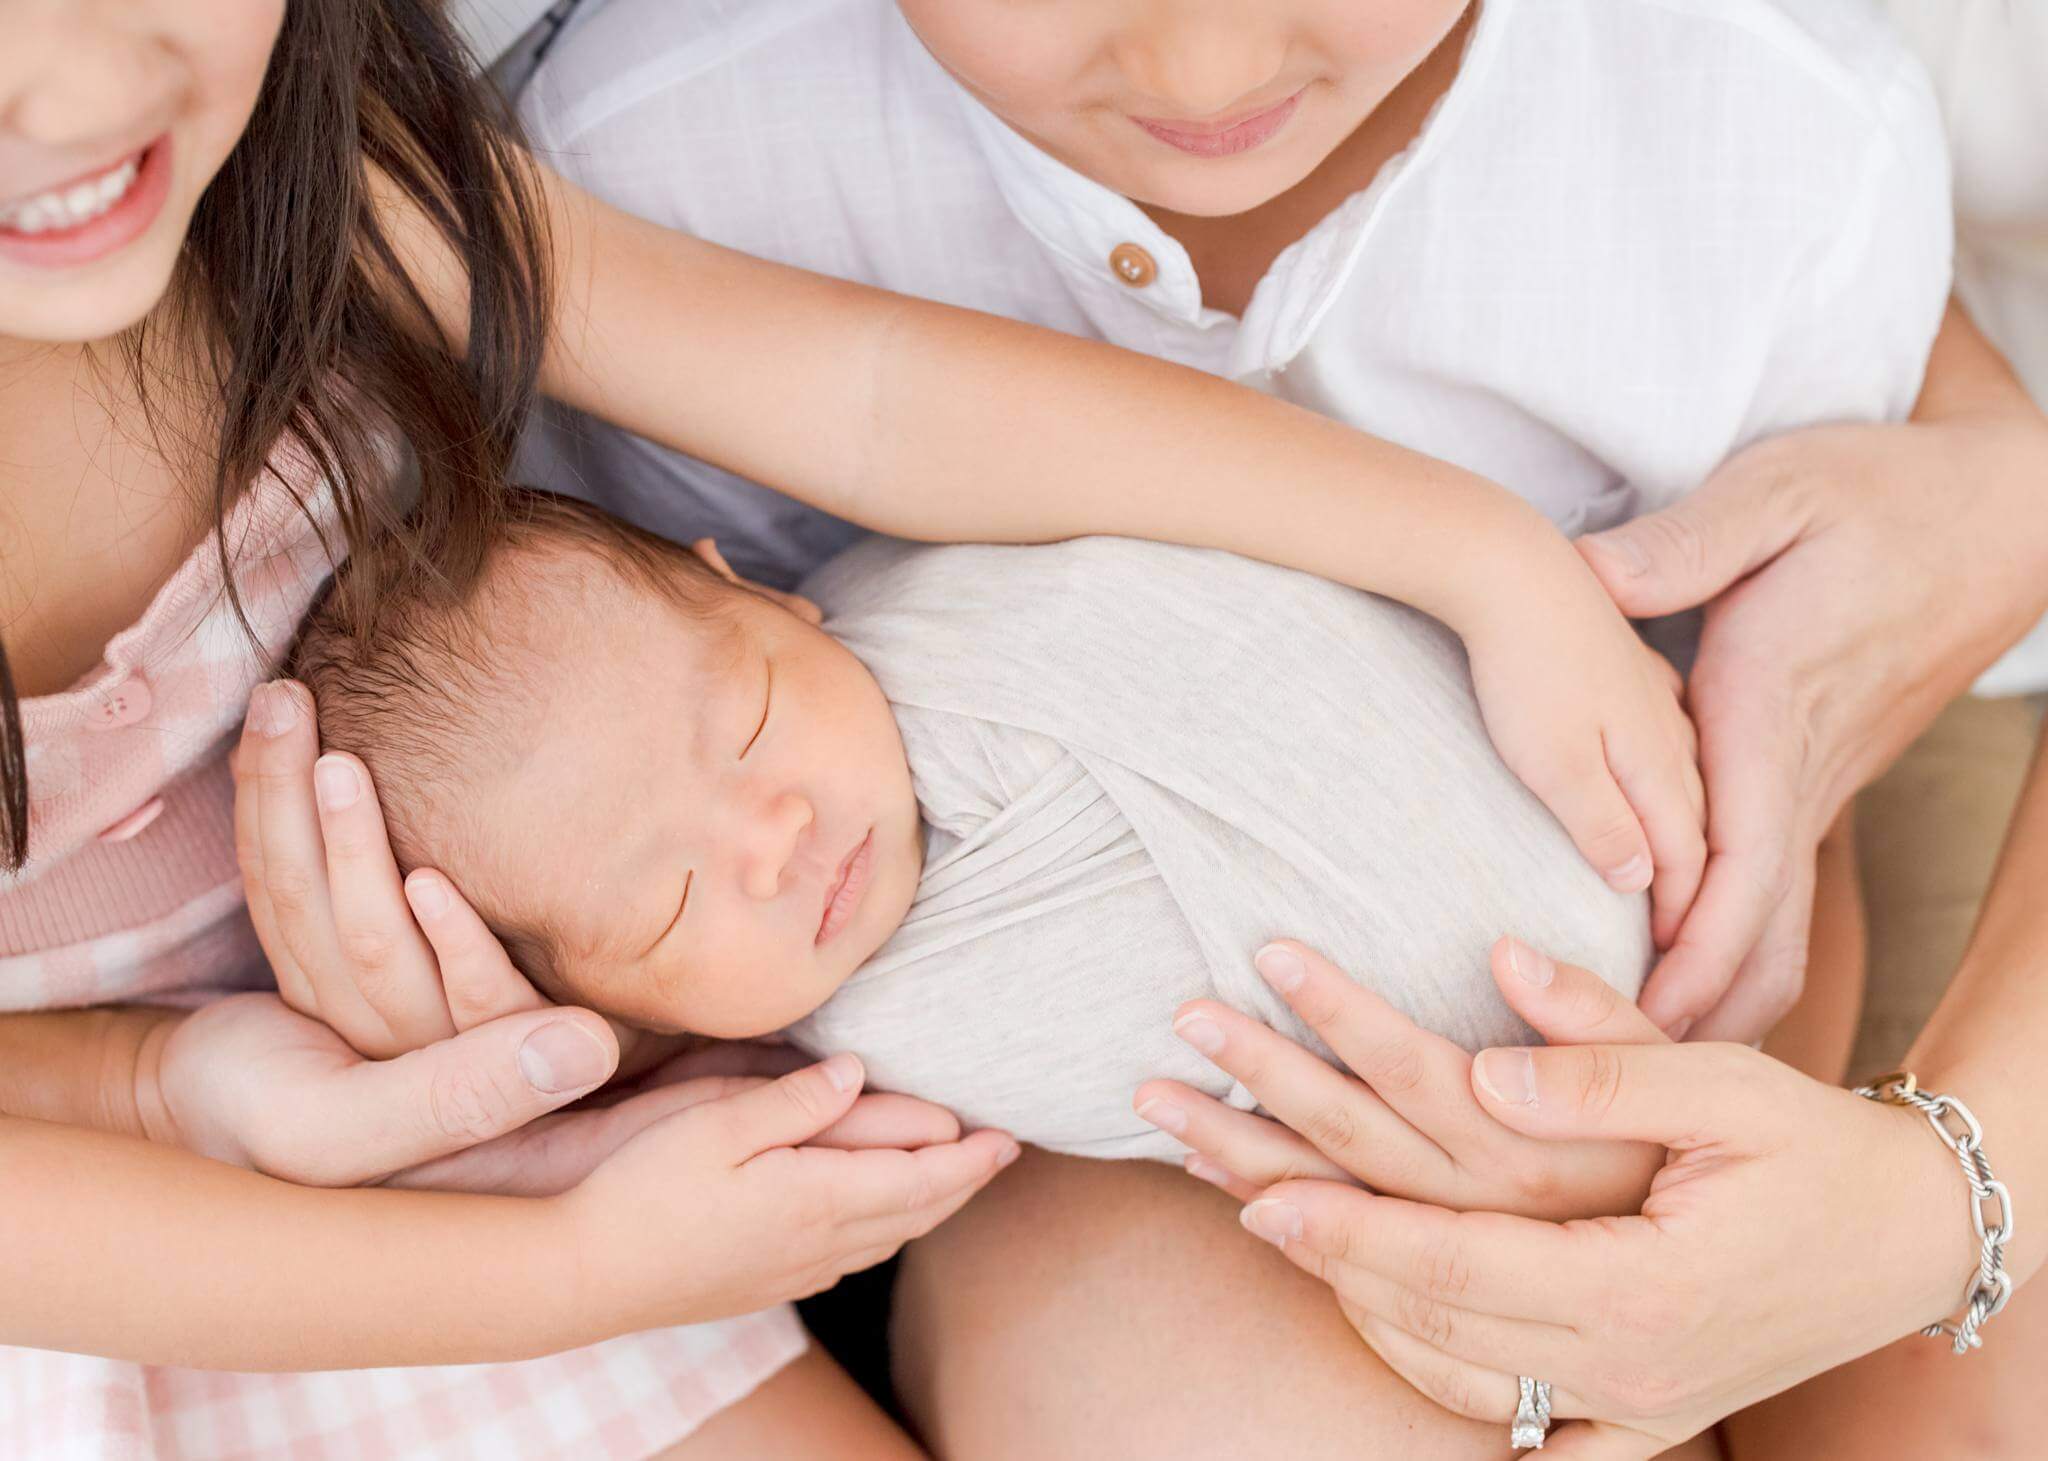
{"x":716,"y":824}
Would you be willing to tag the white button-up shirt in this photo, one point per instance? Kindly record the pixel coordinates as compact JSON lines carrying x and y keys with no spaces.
{"x":1633,"y":236}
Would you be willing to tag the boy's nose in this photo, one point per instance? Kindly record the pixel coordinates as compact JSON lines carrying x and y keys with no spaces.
{"x":771,"y":845}
{"x":1203,"y":61}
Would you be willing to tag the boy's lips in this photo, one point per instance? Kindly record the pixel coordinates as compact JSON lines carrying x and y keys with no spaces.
{"x":1223,"y":139}
{"x":844,"y":896}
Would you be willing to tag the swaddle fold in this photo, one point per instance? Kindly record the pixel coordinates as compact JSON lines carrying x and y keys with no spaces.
{"x":1137,"y":764}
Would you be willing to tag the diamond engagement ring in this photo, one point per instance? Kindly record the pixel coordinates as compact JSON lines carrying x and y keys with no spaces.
{"x":1532,"y":1416}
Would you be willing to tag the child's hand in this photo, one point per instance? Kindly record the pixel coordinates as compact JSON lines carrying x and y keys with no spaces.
{"x":1406,"y":1122}
{"x":726,"y":1207}
{"x":1593,"y":722}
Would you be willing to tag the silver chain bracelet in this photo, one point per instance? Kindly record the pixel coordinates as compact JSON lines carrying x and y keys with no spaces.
{"x":1990,"y":1286}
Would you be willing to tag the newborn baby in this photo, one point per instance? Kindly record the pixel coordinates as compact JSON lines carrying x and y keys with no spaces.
{"x":988,"y":833}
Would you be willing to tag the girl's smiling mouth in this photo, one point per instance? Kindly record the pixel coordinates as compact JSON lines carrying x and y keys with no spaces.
{"x":90,"y":217}
{"x":845,"y":893}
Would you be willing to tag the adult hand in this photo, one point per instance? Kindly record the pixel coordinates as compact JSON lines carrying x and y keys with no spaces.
{"x":1856,"y":579}
{"x":1403,"y":1119}
{"x":1729,"y":1287}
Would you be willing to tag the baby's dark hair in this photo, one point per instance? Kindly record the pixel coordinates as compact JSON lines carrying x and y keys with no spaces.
{"x":433,"y":692}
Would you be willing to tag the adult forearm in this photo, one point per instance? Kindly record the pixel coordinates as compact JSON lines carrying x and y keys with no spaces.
{"x":1989,"y":1035}
{"x":113,"y":1246}
{"x":77,"y":1067}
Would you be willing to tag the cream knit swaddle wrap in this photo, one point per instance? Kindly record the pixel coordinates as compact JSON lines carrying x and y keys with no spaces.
{"x":1138,"y":763}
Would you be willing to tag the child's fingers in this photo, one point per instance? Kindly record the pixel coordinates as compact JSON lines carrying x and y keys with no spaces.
{"x":1655,"y":781}
{"x":1340,"y":1116}
{"x":478,"y":979}
{"x":1565,"y":1004}
{"x":1251,"y":1147}
{"x":881,"y":1196}
{"x":392,"y":966}
{"x":789,"y":1110}
{"x":292,"y":984}
{"x":884,"y":1120}
{"x":1419,"y":1074}
{"x":1202,"y":1169}
{"x":1584,"y":796}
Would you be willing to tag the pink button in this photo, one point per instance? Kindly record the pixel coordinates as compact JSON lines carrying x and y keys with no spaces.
{"x":125,"y":704}
{"x":132,"y":824}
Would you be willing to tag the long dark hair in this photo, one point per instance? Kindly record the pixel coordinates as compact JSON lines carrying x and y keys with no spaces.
{"x":317,"y":331}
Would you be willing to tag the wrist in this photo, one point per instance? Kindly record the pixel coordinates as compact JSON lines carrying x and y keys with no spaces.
{"x":148,"y":1112}
{"x":1516,"y":565}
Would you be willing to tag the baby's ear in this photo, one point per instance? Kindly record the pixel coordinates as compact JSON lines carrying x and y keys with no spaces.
{"x":707,"y":551}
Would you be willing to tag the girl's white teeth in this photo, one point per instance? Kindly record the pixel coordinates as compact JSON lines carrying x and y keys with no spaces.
{"x":72,"y":206}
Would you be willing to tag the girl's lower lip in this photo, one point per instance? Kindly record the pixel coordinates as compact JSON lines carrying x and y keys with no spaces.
{"x":845,"y":896}
{"x":1253,"y":131}
{"x":115,"y":229}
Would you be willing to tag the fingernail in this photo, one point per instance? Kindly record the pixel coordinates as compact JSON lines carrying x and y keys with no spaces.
{"x":1007,"y":1155}
{"x":1281,"y":968}
{"x":1678,"y":1027}
{"x":843,"y":1071}
{"x":273,"y":709}
{"x":563,"y":1057}
{"x":1277,"y":1222}
{"x":1168,"y":1117}
{"x":1530,"y":967}
{"x":1201,"y":1032}
{"x":336,"y":784}
{"x":427,"y":894}
{"x":1509,"y":1076}
{"x":1630,"y":877}
{"x":1206,"y":1170}
{"x":1623,"y":549}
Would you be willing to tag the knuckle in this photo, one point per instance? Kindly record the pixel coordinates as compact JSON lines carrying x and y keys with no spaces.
{"x":1677,"y":538}
{"x":291,"y":890}
{"x":462,"y":1106}
{"x":1443,"y":1270}
{"x":369,"y":949}
{"x":1395,"y":1068}
{"x":1332,"y":1128}
{"x":1425,"y":1318}
{"x":1597,"y":1076}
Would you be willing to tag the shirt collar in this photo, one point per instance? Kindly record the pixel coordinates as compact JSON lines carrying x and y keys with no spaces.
{"x":1080,"y":222}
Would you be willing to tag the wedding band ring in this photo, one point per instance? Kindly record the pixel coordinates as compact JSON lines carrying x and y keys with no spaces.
{"x":1532,"y":1416}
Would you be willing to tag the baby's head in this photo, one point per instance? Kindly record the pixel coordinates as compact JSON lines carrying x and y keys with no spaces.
{"x":674,"y":797}
{"x":1201,"y":107}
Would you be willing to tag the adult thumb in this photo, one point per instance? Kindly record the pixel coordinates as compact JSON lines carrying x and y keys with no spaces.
{"x":1677,"y":559}
{"x":480,"y":1084}
{"x":1677,"y":1096}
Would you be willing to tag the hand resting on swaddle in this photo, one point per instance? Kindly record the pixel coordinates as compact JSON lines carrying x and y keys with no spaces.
{"x":989,"y":833}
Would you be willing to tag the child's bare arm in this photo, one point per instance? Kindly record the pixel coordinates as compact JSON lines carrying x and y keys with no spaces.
{"x":142,"y":1251}
{"x":941,"y":424}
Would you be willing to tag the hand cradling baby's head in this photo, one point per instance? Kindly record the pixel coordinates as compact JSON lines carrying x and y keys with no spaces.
{"x":671,"y":794}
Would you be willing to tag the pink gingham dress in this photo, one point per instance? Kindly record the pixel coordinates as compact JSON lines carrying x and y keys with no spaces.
{"x":131,"y":893}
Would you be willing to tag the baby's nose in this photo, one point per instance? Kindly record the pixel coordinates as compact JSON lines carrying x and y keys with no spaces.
{"x":776,"y":836}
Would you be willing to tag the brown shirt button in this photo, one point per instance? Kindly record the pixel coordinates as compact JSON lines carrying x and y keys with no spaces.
{"x":1132,"y":265}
